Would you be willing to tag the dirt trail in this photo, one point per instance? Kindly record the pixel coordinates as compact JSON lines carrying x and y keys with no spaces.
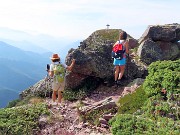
{"x":65,"y":119}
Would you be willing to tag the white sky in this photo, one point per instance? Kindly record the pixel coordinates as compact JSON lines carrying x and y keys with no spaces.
{"x":77,"y":19}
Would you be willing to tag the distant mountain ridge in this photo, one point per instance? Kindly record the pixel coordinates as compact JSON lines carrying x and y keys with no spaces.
{"x":19,"y":70}
{"x":26,"y":45}
{"x":23,"y":59}
{"x":37,"y":42}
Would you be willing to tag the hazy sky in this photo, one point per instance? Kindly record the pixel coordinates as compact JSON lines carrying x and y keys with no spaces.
{"x":77,"y":19}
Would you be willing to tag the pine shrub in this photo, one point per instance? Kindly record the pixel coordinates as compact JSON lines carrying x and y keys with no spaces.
{"x":21,"y":120}
{"x":159,"y":114}
{"x":163,"y":75}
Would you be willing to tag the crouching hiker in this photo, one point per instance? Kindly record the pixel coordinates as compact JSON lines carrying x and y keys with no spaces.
{"x":57,"y":71}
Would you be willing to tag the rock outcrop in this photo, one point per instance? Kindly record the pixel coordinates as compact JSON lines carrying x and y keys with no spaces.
{"x":159,"y":43}
{"x":93,"y":58}
{"x":94,"y":64}
{"x":43,"y":88}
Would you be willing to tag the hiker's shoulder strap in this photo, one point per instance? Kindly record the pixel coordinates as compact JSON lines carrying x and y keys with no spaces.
{"x":64,"y":66}
{"x":123,"y":42}
{"x":53,"y":65}
{"x":116,"y":43}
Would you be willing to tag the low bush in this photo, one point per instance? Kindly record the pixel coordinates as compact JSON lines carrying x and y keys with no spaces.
{"x":127,"y":124}
{"x":156,"y":106}
{"x":21,"y":120}
{"x":159,"y":110}
{"x":132,"y":102}
{"x":163,"y":75}
{"x":13,"y":103}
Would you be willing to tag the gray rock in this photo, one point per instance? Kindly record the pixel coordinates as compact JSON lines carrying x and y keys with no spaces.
{"x":103,"y":121}
{"x":43,"y":88}
{"x":167,"y":33}
{"x":149,"y":51}
{"x":43,"y":120}
{"x":108,"y":116}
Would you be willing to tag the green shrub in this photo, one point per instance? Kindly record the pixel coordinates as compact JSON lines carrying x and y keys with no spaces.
{"x":13,"y":103}
{"x":70,"y":94}
{"x":93,"y":116}
{"x":80,"y":92}
{"x":21,"y":120}
{"x":127,"y":124}
{"x":156,"y":106}
{"x":159,"y":114}
{"x":132,"y":102}
{"x":163,"y":74}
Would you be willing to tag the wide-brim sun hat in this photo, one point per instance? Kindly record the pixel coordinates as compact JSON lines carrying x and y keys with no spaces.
{"x":55,"y":57}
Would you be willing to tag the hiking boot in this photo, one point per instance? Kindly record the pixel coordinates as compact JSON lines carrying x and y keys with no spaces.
{"x":115,"y":84}
{"x":118,"y":83}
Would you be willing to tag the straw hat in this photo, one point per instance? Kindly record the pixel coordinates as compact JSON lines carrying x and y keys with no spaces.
{"x":55,"y":57}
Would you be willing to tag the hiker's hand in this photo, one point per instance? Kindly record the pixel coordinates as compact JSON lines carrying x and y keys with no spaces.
{"x":47,"y":67}
{"x":69,"y":68}
{"x":73,"y":61}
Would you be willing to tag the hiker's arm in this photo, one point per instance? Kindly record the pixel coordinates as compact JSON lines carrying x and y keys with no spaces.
{"x":127,"y":47}
{"x":51,"y":73}
{"x":69,"y":68}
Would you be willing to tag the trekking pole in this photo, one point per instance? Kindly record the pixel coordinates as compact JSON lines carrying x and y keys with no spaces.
{"x":47,"y":78}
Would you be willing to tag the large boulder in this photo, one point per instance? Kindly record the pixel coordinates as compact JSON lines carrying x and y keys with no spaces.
{"x":93,"y":59}
{"x":159,"y":43}
{"x":133,"y":43}
{"x":167,"y":33}
{"x":149,"y":51}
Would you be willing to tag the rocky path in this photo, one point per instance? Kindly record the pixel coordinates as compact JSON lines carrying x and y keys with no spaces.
{"x":65,"y":119}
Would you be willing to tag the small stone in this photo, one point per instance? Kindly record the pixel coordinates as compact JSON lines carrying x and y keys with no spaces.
{"x":103,"y":121}
{"x":108,"y":117}
{"x":88,"y":130}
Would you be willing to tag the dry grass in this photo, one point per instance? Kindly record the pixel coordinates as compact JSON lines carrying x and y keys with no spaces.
{"x":36,"y":100}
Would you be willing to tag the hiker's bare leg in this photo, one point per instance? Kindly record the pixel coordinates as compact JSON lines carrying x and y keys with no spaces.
{"x":122,"y":69}
{"x":59,"y":96}
{"x":116,"y":73}
{"x":54,"y":96}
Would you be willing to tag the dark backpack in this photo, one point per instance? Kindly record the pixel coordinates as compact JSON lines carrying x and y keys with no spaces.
{"x":118,"y":51}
